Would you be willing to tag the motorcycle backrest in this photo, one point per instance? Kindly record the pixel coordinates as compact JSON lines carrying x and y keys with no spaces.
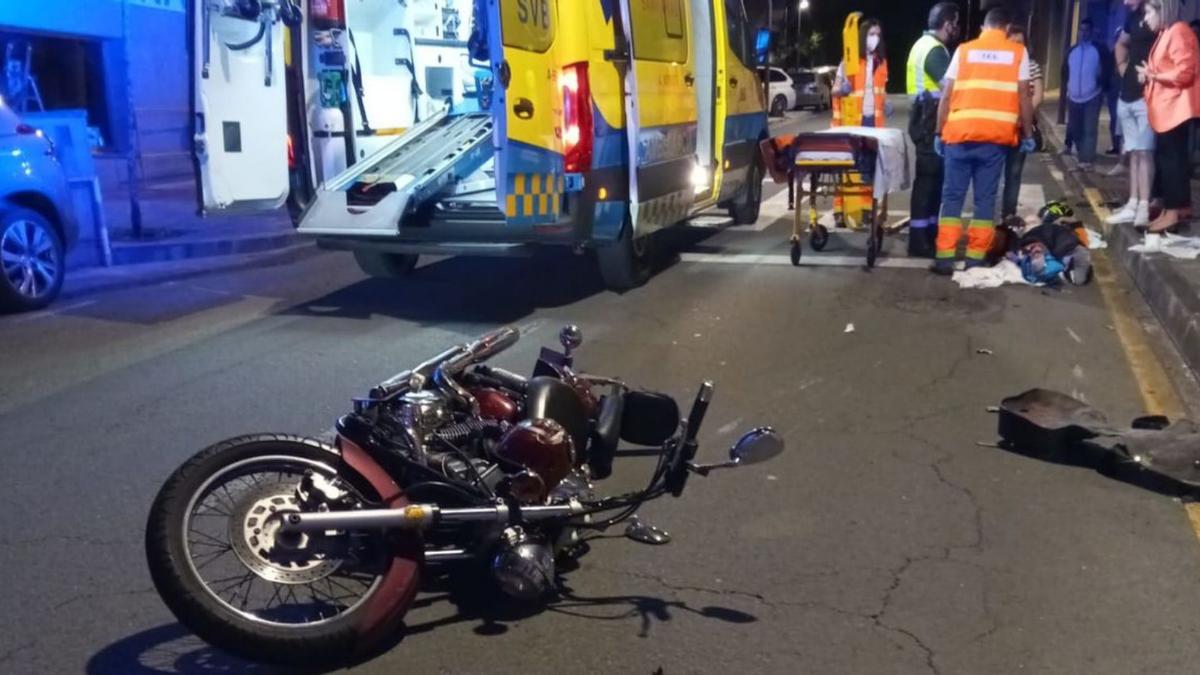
{"x":649,"y":418}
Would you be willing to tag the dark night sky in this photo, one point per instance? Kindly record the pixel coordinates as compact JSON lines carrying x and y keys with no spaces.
{"x":903,"y":22}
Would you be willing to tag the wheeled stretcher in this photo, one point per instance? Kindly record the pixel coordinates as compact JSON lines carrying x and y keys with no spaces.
{"x":828,"y":161}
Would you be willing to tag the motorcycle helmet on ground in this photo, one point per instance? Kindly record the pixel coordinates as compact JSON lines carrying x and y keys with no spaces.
{"x":1055,"y":210}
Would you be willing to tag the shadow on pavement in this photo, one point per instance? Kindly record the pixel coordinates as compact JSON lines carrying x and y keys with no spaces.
{"x":487,"y":290}
{"x":1111,"y":466}
{"x":173,"y":649}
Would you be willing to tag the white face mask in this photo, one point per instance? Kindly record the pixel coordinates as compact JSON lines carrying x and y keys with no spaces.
{"x":872,"y":42}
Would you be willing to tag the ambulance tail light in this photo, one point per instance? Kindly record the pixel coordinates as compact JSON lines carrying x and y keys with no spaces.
{"x":291,"y":152}
{"x":577,"y":118}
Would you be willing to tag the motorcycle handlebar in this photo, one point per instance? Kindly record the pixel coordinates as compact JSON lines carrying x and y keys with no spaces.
{"x":452,"y":361}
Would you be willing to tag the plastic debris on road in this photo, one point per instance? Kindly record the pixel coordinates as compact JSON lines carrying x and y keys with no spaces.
{"x":1095,"y":240}
{"x":1176,"y":246}
{"x":1006,"y":272}
{"x":849,"y":328}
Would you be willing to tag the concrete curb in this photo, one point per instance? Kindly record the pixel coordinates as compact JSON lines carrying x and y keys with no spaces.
{"x":92,"y":280}
{"x":134,"y":253}
{"x":1168,"y":294}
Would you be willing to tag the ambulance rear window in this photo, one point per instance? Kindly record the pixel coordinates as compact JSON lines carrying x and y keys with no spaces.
{"x":659,"y":30}
{"x":528,"y":24}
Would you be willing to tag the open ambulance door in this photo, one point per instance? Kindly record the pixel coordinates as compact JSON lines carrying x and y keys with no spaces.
{"x":661,"y":113}
{"x":240,"y":115}
{"x":530,"y":87}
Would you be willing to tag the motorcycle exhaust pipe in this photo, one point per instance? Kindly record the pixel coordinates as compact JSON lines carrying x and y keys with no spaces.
{"x":421,"y":517}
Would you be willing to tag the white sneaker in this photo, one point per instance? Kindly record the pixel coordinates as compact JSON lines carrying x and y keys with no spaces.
{"x":1141,"y":217}
{"x":1125,"y":215}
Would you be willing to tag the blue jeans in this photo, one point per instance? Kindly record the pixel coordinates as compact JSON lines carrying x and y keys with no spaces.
{"x":1083,"y":127}
{"x":972,"y":164}
{"x":977,"y":166}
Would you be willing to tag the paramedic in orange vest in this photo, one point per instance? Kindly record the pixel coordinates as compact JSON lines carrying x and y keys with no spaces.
{"x":985,"y":111}
{"x":861,"y":102}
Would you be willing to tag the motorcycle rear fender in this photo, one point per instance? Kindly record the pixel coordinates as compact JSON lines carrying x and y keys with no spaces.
{"x":403,"y":578}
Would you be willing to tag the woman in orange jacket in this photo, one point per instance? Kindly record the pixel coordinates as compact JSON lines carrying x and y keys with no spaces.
{"x":860,"y":100}
{"x":1172,"y":84}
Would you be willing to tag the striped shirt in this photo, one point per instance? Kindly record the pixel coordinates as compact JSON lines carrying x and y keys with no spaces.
{"x":1035,"y":73}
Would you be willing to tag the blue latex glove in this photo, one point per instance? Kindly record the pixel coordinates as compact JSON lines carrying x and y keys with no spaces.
{"x":1028,"y":145}
{"x":939,"y":147}
{"x":888,"y":108}
{"x":845,"y":89}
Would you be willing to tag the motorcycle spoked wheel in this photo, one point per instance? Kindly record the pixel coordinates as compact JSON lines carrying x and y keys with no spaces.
{"x":218,"y":566}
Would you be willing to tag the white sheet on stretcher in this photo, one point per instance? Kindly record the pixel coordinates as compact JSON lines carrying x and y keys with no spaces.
{"x":891,"y":165}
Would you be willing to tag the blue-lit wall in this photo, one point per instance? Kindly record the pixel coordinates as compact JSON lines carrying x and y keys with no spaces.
{"x":157,"y":72}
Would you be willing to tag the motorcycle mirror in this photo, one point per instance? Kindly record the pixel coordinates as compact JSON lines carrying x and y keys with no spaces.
{"x":756,"y":446}
{"x":571,"y":337}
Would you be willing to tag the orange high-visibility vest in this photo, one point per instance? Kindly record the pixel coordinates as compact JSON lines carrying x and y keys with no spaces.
{"x":986,"y":104}
{"x":848,"y":111}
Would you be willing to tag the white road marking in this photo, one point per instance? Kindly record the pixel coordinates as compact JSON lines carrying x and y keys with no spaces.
{"x":51,"y":312}
{"x":808,"y":260}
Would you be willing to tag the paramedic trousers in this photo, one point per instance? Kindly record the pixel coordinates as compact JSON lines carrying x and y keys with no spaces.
{"x":927,"y":183}
{"x":977,"y":166}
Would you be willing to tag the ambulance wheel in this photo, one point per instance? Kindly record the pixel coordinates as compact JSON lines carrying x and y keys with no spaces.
{"x":744,"y":208}
{"x":386,"y":265}
{"x":819,"y":237}
{"x":625,"y":263}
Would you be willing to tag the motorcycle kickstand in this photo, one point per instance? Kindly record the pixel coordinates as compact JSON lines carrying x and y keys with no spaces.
{"x":646,"y":534}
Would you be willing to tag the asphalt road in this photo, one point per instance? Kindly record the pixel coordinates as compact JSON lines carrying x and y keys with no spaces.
{"x":886,"y":539}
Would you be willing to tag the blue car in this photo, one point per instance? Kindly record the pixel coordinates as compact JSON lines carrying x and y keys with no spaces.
{"x":37,"y":226}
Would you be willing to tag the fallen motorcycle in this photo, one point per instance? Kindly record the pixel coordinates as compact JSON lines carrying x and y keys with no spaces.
{"x":295,"y":551}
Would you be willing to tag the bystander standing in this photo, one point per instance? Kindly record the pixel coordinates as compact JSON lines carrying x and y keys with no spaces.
{"x":1083,"y":71}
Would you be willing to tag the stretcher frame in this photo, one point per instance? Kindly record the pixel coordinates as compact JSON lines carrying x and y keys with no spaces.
{"x":831,"y":175}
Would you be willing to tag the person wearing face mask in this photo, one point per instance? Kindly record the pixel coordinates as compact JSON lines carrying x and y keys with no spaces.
{"x":862,"y":102}
{"x":927,"y":64}
{"x":1172,"y":88}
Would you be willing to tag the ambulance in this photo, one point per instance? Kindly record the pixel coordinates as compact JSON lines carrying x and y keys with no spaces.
{"x":400,"y":128}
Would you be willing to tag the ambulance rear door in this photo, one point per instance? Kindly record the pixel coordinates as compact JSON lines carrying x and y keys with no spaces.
{"x":528,"y":109}
{"x":661,"y":112}
{"x":240,"y":116}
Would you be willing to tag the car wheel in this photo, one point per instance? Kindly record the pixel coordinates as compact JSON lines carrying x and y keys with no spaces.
{"x":778,"y":106}
{"x":31,"y":261}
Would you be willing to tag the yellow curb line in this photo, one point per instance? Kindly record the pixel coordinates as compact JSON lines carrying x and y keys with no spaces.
{"x":1158,"y":394}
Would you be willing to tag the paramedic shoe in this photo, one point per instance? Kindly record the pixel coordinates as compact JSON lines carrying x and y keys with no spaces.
{"x":921,"y":243}
{"x":1141,"y":214}
{"x":1124,"y":215}
{"x":972,"y":264}
{"x":943,"y":268}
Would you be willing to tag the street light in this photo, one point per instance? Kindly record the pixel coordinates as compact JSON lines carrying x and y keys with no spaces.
{"x":800,"y":22}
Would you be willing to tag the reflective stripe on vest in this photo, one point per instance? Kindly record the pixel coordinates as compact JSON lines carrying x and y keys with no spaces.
{"x":986,"y":104}
{"x":918,"y":80}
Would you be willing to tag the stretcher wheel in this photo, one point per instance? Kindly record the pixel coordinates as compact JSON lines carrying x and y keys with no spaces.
{"x":796,"y":252}
{"x":819,"y":237}
{"x":873,"y":243}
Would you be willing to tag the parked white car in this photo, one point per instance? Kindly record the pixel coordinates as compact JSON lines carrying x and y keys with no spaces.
{"x":782,"y":92}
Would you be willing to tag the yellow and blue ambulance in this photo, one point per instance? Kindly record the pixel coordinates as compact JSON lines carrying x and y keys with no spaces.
{"x":480,"y":127}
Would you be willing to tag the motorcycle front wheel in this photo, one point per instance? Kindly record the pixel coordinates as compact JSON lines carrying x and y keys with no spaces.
{"x":221,"y":566}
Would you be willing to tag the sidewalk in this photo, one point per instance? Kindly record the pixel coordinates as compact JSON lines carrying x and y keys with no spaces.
{"x":173,"y":230}
{"x":1171,"y":286}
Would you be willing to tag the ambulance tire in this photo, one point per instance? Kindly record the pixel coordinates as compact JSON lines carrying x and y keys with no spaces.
{"x":744,"y":208}
{"x":626,"y":263}
{"x":386,"y":265}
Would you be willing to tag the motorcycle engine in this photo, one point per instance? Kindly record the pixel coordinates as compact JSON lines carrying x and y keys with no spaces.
{"x":523,"y":565}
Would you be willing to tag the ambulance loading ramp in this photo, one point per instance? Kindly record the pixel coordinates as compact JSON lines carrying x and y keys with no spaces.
{"x":373,"y":196}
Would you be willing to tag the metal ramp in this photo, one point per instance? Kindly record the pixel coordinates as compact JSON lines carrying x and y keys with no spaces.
{"x":373,"y":196}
